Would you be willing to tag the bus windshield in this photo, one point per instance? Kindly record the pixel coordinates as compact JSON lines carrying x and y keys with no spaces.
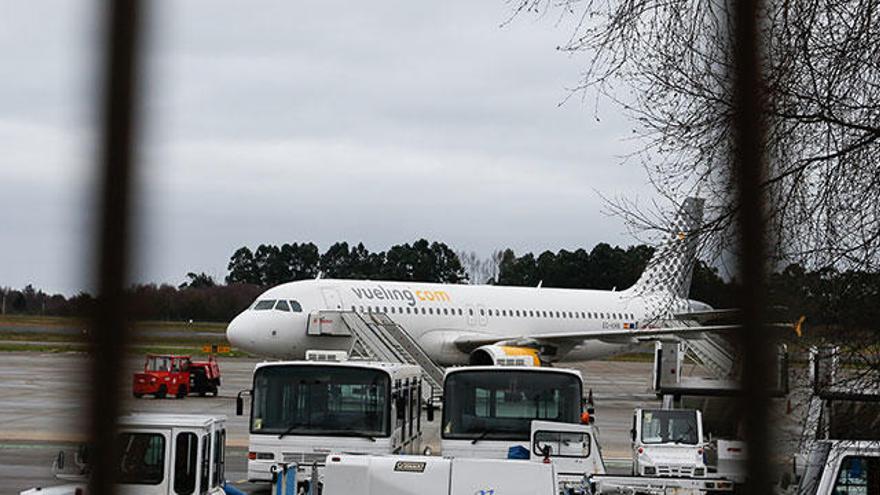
{"x":501,"y":404}
{"x":669,"y":426}
{"x":320,"y":400}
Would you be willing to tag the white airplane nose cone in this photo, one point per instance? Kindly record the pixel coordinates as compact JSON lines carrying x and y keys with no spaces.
{"x":237,"y":333}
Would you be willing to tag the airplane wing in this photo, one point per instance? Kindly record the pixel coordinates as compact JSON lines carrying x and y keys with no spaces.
{"x":709,"y":314}
{"x":703,"y":316}
{"x":469,"y":343}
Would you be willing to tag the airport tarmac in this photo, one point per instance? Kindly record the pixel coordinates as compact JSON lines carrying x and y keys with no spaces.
{"x":41,"y":411}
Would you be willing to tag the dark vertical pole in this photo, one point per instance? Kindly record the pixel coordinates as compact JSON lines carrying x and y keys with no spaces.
{"x":109,"y":327}
{"x":748,"y":171}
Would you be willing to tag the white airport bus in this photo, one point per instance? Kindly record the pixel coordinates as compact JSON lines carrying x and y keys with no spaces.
{"x":303,"y":410}
{"x":489,"y":409}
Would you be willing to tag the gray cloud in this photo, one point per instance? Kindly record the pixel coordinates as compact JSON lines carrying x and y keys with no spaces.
{"x":324,"y":121}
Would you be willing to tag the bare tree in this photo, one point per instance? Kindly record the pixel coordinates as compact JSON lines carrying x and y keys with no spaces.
{"x":481,"y":270}
{"x":822,"y":92}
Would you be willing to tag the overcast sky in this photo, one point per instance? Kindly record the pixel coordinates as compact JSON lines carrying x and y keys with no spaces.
{"x":272,"y":122}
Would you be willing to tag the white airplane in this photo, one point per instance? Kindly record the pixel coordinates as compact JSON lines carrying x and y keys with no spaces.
{"x":476,"y":324}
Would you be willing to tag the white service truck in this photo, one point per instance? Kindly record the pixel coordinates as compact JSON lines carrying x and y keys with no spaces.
{"x":303,"y":410}
{"x":162,"y":454}
{"x":842,"y":467}
{"x":668,"y":442}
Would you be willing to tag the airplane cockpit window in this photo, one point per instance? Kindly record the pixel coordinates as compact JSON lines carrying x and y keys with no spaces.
{"x":282,"y":306}
{"x":264,"y":304}
{"x":296,"y":307}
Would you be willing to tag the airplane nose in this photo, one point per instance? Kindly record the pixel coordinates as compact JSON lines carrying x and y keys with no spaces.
{"x":237,"y":333}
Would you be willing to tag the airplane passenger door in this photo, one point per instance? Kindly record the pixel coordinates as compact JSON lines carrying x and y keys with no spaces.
{"x":481,"y":314}
{"x":470,"y":315}
{"x":331,"y":298}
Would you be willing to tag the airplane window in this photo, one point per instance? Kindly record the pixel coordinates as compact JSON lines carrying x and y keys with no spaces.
{"x":482,"y":313}
{"x":570,"y":315}
{"x":430,"y":310}
{"x":353,"y":308}
{"x":282,"y":306}
{"x":583,"y":315}
{"x":264,"y":304}
{"x":517,"y":313}
{"x":295,"y":307}
{"x":445,"y":311}
{"x":362,"y":309}
{"x":471,"y":311}
{"x":459,"y":312}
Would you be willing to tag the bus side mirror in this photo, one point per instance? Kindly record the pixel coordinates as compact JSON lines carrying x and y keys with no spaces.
{"x":239,"y":402}
{"x":430,"y":412}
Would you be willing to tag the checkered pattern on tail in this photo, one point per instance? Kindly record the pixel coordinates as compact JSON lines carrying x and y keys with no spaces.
{"x":670,"y":270}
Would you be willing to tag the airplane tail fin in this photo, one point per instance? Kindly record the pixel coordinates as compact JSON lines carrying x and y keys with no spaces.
{"x":670,"y":269}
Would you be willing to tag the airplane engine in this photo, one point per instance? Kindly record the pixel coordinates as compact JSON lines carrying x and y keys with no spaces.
{"x":504,"y":355}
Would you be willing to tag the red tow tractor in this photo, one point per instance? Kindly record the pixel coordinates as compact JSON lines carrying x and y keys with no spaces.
{"x":169,"y":374}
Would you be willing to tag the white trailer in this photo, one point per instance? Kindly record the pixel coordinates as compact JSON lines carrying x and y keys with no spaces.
{"x":489,"y":409}
{"x":162,"y":454}
{"x":303,"y":410}
{"x":395,"y":475}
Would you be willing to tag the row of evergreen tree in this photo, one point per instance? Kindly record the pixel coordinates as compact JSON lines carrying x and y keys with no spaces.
{"x":825,"y":296}
{"x":271,"y":265}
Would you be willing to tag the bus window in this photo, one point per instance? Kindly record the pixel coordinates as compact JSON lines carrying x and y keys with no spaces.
{"x":410,"y":397}
{"x":206,"y":464}
{"x":215,"y":474}
{"x":143,"y":458}
{"x":222,"y":455}
{"x":186,"y":450}
{"x":419,"y":407}
{"x":306,"y":400}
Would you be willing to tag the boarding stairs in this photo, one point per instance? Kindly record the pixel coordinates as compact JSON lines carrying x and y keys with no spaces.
{"x":376,"y":336}
{"x":714,"y":354}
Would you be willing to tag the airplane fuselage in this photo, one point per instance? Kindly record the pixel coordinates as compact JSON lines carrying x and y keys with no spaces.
{"x":438,"y":314}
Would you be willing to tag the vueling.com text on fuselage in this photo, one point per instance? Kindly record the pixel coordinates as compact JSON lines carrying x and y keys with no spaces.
{"x":411,"y":297}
